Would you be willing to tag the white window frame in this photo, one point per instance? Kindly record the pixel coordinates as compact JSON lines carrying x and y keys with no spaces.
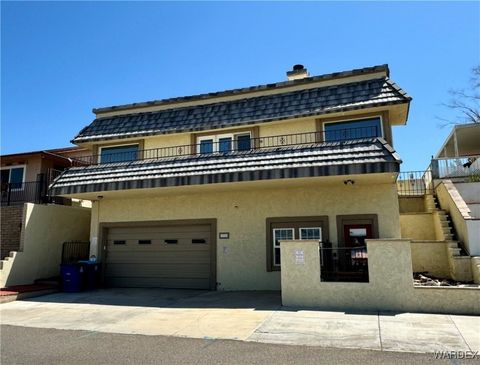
{"x":275,"y":246}
{"x":300,"y":233}
{"x":353,"y":120}
{"x":16,"y":167}
{"x":216,"y":138}
{"x":100,"y":148}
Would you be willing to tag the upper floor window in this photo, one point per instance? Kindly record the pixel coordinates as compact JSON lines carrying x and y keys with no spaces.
{"x":354,"y":129}
{"x":14,"y":175}
{"x":119,"y":153}
{"x":224,"y":143}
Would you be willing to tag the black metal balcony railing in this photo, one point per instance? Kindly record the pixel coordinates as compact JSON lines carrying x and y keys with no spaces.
{"x":236,"y":145}
{"x":14,"y":193}
{"x":414,"y":183}
{"x":31,"y":191}
{"x":343,"y":264}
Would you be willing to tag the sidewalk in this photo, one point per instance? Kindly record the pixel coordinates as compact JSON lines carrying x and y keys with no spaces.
{"x":245,"y":316}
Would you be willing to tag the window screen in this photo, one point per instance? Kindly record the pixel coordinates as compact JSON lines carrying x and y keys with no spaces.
{"x":206,"y":146}
{"x":119,"y":154}
{"x":355,"y":129}
{"x":280,"y":234}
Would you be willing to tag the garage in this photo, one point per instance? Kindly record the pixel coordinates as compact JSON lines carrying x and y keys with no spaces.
{"x":177,"y":254}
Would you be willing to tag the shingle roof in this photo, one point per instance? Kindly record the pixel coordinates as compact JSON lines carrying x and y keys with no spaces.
{"x":276,"y":85}
{"x":371,"y":155}
{"x":287,"y":105}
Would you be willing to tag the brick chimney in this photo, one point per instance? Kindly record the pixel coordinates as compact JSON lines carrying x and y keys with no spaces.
{"x":298,"y":72}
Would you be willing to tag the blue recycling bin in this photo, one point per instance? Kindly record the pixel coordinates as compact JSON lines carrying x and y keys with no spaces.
{"x":91,"y":274}
{"x":73,"y":277}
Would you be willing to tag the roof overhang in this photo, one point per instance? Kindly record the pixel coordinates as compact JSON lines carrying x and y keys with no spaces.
{"x":364,"y":156}
{"x":463,"y":140}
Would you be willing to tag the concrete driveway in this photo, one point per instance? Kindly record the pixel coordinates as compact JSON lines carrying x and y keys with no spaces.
{"x":247,"y":316}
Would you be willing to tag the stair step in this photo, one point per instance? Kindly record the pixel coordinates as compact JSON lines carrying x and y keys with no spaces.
{"x":452,"y":244}
{"x":454,"y":251}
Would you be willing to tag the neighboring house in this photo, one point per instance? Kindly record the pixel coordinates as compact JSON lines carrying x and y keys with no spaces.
{"x":25,"y":176}
{"x":198,"y":191}
{"x":24,"y":179}
{"x":456,"y":174}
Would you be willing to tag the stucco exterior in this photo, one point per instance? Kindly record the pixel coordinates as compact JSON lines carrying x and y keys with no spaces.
{"x":390,"y":285}
{"x":431,"y":257}
{"x":44,"y":229}
{"x":467,"y":227}
{"x":242,"y":209}
{"x":418,"y":226}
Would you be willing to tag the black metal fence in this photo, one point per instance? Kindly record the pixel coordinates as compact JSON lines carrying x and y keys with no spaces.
{"x":15,"y":193}
{"x":74,"y":251}
{"x":343,"y":264}
{"x":31,"y":191}
{"x":236,"y":143}
{"x":414,"y":183}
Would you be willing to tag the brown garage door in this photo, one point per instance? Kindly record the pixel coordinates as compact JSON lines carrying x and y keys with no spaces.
{"x":164,"y":256}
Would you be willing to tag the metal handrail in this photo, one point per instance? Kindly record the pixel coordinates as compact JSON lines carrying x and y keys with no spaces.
{"x":414,"y":183}
{"x":285,"y":140}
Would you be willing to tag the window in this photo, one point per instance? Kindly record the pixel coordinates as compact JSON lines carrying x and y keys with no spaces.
{"x":144,"y":242}
{"x":224,"y":143}
{"x":354,"y":129}
{"x":290,"y":228}
{"x":119,"y":242}
{"x":280,"y":234}
{"x":171,"y":242}
{"x":13,"y":175}
{"x":118,"y":153}
{"x":314,"y":233}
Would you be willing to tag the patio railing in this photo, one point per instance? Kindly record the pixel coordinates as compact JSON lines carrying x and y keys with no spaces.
{"x":414,"y":183}
{"x":226,"y":146}
{"x":31,"y":191}
{"x":343,"y":264}
{"x":465,"y":166}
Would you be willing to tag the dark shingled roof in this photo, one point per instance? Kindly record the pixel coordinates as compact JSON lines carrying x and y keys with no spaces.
{"x":372,"y":155}
{"x":266,"y":108}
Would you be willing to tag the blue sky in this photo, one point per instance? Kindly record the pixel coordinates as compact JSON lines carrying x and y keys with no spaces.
{"x":61,"y":59}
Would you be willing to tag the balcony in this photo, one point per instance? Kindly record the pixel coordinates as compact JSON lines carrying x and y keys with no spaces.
{"x":31,"y":191}
{"x":303,"y":155}
{"x":457,"y":167}
{"x":260,"y":143}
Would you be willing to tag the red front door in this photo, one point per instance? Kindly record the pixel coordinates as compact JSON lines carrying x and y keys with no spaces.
{"x":355,"y":234}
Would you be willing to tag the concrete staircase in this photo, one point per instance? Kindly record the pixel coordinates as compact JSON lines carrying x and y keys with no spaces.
{"x":6,"y":266}
{"x":460,"y":264}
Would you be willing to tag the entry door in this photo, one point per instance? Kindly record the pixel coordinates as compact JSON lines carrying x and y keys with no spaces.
{"x":355,"y":234}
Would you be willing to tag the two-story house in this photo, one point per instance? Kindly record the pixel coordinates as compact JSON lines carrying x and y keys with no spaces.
{"x":198,"y":191}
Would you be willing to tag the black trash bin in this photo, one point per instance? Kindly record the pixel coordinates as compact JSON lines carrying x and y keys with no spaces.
{"x":92,"y":274}
{"x":73,"y":277}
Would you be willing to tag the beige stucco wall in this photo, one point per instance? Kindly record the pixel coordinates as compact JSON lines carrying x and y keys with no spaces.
{"x":288,"y":127}
{"x":167,"y":141}
{"x":390,"y":285}
{"x":241,"y":260}
{"x":467,"y":228}
{"x":431,"y":257}
{"x":417,"y":226}
{"x":44,"y":229}
{"x":412,"y":204}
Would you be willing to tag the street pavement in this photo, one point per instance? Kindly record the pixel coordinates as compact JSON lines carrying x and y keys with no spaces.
{"x":39,"y":346}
